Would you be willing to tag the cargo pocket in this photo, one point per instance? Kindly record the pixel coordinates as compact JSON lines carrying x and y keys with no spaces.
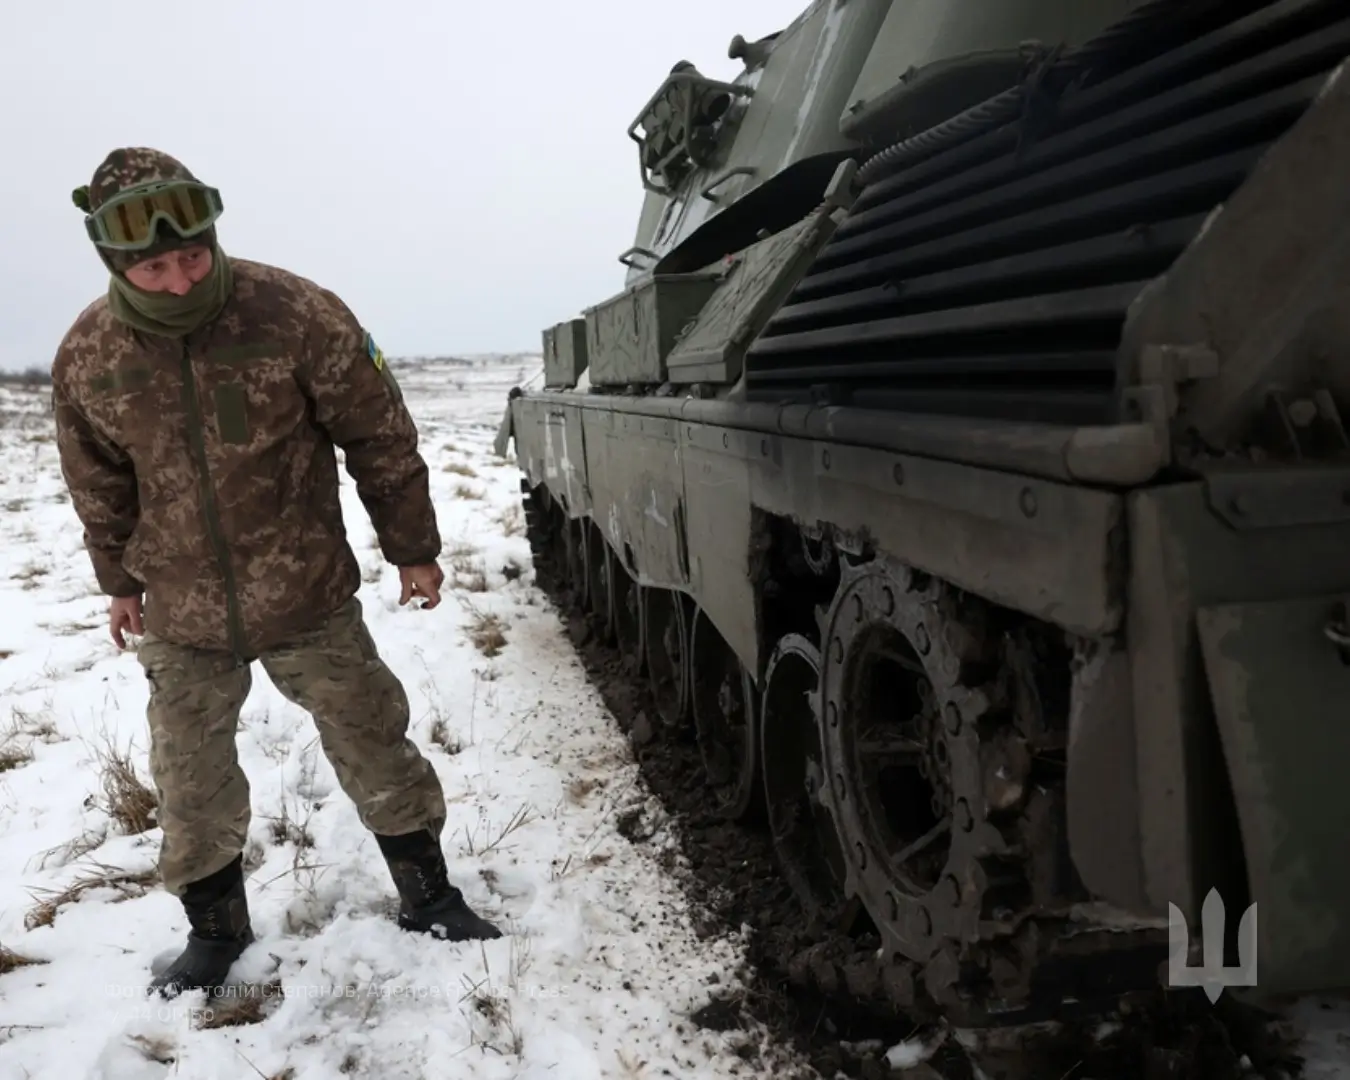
{"x":232,"y":413}
{"x":349,"y":626}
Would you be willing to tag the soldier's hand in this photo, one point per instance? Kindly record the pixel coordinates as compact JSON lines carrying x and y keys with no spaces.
{"x":424,"y":581}
{"x":124,"y":617}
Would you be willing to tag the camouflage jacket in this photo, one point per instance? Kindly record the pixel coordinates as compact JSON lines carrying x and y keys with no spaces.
{"x":204,"y":471}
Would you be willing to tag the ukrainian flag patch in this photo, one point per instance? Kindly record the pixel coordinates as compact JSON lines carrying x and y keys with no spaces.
{"x":373,"y":351}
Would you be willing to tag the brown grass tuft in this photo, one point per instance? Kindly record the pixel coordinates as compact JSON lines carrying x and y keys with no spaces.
{"x":156,"y":1048}
{"x":488,"y":633}
{"x":239,"y":1005}
{"x":442,"y":736}
{"x":285,"y":830}
{"x":463,"y":491}
{"x":512,"y":520}
{"x":33,"y":725}
{"x":75,"y":848}
{"x":126,"y":800}
{"x":31,"y":575}
{"x":18,"y":736}
{"x":127,"y":883}
{"x":12,"y":756}
{"x":467,"y":570}
{"x":12,"y":961}
{"x":460,"y":469}
{"x":72,"y":629}
{"x":474,"y":580}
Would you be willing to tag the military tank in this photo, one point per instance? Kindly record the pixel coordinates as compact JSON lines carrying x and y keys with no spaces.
{"x":962,"y":462}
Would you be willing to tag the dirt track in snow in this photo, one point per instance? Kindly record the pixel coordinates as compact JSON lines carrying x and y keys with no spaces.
{"x":731,"y":878}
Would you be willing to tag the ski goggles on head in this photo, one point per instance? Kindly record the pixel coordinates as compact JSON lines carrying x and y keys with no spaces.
{"x":129,"y":220}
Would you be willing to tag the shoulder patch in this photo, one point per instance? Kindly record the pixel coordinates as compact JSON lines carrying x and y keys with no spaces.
{"x":373,"y":351}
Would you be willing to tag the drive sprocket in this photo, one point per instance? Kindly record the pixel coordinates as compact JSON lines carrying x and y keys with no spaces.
{"x":920,"y":773}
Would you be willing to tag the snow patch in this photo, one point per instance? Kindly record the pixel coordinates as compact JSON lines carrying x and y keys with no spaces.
{"x":600,"y":966}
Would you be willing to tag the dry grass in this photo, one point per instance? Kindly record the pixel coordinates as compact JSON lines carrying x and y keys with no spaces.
{"x":467,"y":570}
{"x":460,"y":469}
{"x":442,"y":736}
{"x":72,"y":629}
{"x":31,"y":574}
{"x":127,"y":884}
{"x":439,"y":732}
{"x":130,"y":804}
{"x":238,"y":1005}
{"x":475,"y":580}
{"x":502,"y":1035}
{"x":463,"y":491}
{"x":74,"y":849}
{"x":283,"y":829}
{"x":157,"y":1048}
{"x":511,"y":520}
{"x":307,"y":913}
{"x":488,"y":633}
{"x":12,"y":756}
{"x":12,"y":961}
{"x":33,"y":725}
{"x":491,"y":1025}
{"x":17,"y":738}
{"x":522,"y":817}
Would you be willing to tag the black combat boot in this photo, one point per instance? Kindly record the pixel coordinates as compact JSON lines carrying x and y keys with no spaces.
{"x":217,"y":912}
{"x":430,"y":904}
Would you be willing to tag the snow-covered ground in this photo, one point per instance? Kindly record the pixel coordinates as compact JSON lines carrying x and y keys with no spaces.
{"x":600,"y":968}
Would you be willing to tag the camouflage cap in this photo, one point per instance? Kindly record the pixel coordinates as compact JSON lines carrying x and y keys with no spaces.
{"x":128,"y":167}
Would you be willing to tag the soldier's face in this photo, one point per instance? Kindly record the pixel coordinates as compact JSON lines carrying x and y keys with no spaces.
{"x":173,"y":272}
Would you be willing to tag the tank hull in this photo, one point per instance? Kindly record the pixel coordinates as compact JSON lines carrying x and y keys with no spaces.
{"x":1023,"y":467}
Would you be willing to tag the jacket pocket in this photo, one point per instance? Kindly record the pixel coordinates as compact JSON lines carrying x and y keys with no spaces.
{"x":231,"y":401}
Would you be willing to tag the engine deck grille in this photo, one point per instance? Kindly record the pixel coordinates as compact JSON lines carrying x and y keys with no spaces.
{"x":992,"y":280}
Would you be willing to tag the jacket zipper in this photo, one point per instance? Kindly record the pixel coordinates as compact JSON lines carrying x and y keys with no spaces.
{"x":196,"y":435}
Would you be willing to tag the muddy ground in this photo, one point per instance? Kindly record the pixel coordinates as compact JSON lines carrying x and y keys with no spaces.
{"x":730,"y":876}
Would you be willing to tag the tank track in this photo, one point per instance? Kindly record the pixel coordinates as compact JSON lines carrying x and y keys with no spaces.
{"x":951,"y":900}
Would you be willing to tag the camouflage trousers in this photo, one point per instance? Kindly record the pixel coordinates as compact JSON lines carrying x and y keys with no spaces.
{"x":358,"y":705}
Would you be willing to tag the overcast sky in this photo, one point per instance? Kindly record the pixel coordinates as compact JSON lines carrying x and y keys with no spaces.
{"x":459,"y":173}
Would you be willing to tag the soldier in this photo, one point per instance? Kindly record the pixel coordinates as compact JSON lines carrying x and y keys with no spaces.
{"x":197,"y":407}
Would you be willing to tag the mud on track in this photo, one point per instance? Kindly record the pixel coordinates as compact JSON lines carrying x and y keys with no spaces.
{"x":810,"y":987}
